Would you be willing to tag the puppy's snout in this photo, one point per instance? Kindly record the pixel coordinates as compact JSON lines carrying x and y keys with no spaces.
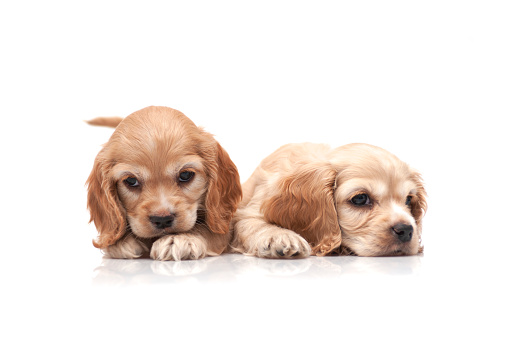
{"x":403,"y":232}
{"x":162,"y":222}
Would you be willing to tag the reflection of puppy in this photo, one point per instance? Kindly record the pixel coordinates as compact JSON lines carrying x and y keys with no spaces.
{"x":251,"y":266}
{"x":162,"y":183}
{"x":310,"y":199}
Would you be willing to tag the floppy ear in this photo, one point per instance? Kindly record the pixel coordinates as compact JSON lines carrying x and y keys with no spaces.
{"x":304,"y":203}
{"x":224,"y":192}
{"x":105,"y":208}
{"x":419,"y":205}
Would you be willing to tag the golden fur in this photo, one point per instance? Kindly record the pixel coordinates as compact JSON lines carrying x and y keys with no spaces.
{"x":141,"y":175}
{"x":299,"y":202}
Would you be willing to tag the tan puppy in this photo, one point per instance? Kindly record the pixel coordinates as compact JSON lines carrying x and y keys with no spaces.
{"x":310,"y":199}
{"x":162,"y":186}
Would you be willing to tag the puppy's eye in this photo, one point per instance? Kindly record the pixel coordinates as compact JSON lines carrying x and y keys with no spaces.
{"x":132,"y":182}
{"x":361,"y":200}
{"x":186,"y":176}
{"x":408,"y":200}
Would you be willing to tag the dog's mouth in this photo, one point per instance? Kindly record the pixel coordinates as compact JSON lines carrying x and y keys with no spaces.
{"x":149,"y":232}
{"x":398,"y":252}
{"x":393,"y":252}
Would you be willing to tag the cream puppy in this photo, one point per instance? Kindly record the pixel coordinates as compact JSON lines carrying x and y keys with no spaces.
{"x":310,"y":199}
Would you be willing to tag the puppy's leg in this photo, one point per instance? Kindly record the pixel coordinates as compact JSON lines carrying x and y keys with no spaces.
{"x":254,"y":236}
{"x":198,"y":243}
{"x":126,"y":248}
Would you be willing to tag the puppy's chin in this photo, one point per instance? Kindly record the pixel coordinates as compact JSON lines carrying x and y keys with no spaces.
{"x":361,"y":249}
{"x":400,"y":251}
{"x":144,"y":229}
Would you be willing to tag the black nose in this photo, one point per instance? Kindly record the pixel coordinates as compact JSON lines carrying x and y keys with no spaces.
{"x":162,"y":222}
{"x":404,"y":232}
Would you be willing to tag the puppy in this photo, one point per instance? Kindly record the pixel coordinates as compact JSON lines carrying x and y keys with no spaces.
{"x":162,"y":186}
{"x":310,"y":199}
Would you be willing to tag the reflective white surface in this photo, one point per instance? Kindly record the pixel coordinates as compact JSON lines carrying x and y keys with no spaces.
{"x":426,"y":295}
{"x":232,"y":268}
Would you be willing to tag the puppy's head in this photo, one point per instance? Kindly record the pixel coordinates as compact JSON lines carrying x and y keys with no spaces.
{"x":160,"y":174}
{"x":380,"y":202}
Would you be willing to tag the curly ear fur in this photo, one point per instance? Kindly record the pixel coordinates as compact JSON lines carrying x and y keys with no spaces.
{"x":304,"y":203}
{"x":105,"y":208}
{"x":419,"y":206}
{"x":224,"y":192}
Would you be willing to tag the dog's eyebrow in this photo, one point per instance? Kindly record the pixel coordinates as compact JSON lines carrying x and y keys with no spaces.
{"x":373,"y":188}
{"x":358,"y":190}
{"x":190,"y":162}
{"x":354,"y":186}
{"x":413,"y":191}
{"x":120,"y":170}
{"x":194,"y":165}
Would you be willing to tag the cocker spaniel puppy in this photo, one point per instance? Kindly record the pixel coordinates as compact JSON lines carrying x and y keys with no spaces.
{"x":163,"y":186}
{"x":310,"y":199}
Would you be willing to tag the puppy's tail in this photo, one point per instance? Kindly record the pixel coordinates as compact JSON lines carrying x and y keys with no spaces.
{"x":105,"y":121}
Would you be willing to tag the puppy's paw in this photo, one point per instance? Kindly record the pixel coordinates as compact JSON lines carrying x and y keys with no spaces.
{"x":126,"y":248}
{"x":179,"y":247}
{"x":282,"y":244}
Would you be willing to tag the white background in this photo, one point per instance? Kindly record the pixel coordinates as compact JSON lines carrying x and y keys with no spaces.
{"x":428,"y":81}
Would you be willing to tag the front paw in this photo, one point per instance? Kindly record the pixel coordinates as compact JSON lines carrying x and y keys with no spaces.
{"x":282,"y":244}
{"x":178,"y":247}
{"x":126,"y":248}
